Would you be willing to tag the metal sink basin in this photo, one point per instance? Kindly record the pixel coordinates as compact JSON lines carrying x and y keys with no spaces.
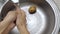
{"x":44,"y":21}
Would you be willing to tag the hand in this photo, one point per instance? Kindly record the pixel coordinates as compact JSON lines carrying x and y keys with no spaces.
{"x":9,"y":28}
{"x":21,"y":22}
{"x":7,"y":22}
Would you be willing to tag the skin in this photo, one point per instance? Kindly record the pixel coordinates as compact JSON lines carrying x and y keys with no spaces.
{"x":8,"y":22}
{"x":9,"y":28}
{"x":10,"y":17}
{"x":21,"y":22}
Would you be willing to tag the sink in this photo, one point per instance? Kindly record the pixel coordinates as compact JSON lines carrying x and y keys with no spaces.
{"x":44,"y":21}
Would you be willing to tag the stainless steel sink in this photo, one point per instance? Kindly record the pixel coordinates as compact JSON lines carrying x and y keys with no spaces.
{"x":44,"y":21}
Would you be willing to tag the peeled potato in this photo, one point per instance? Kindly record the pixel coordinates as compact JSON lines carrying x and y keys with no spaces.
{"x":32,"y":9}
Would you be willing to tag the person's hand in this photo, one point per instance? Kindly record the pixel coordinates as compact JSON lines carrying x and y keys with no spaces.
{"x":9,"y":28}
{"x":8,"y":23}
{"x":21,"y":22}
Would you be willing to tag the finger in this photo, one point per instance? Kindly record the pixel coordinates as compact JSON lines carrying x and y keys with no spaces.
{"x":9,"y":28}
{"x":23,"y":13}
{"x":21,"y":18}
{"x":11,"y":16}
{"x":18,"y":10}
{"x":24,"y":16}
{"x":17,"y":6}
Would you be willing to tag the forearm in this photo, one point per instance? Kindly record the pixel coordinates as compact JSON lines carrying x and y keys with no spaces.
{"x":9,"y":28}
{"x":23,"y":29}
{"x":21,"y":24}
{"x":3,"y":25}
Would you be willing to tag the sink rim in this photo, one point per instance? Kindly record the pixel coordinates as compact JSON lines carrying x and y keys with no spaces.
{"x":56,"y":10}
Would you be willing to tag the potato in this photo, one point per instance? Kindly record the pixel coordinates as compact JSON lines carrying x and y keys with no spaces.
{"x":32,"y":9}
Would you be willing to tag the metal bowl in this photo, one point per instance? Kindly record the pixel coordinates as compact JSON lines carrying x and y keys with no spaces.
{"x":44,"y":21}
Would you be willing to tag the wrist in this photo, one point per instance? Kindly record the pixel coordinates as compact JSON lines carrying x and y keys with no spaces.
{"x":23,"y":30}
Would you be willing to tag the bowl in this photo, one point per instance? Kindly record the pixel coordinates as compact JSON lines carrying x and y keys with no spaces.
{"x":44,"y":21}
